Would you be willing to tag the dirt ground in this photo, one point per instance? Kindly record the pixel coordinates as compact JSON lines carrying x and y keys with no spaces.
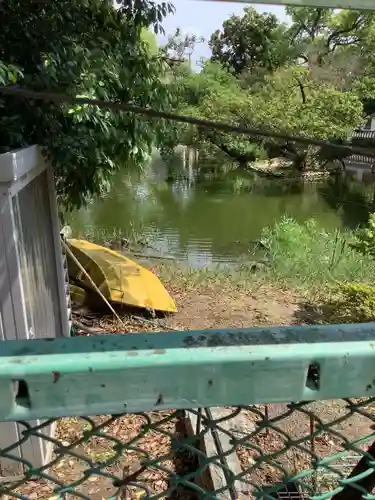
{"x":341,"y":435}
{"x":228,"y":307}
{"x":198,"y":308}
{"x":210,"y":307}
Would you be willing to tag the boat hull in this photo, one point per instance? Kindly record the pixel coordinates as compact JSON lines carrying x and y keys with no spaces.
{"x":120,"y":279}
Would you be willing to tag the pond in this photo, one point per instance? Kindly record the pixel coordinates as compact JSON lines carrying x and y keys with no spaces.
{"x":207,"y":216}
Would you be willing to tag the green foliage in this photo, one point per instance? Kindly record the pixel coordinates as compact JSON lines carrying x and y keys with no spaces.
{"x":351,"y":303}
{"x":217,"y":95}
{"x":339,"y":42}
{"x":338,"y":47}
{"x":297,"y":80}
{"x":250,"y":42}
{"x":211,"y":94}
{"x":319,"y":32}
{"x":81,"y":48}
{"x":364,"y":87}
{"x":290,"y":100}
{"x":365,"y":238}
{"x":299,"y":105}
{"x":305,"y":255}
{"x":150,"y":40}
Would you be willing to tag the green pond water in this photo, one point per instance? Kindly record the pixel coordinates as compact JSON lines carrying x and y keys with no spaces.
{"x":205,"y":216}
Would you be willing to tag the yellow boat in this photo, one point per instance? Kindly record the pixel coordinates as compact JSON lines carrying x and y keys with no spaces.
{"x":119,"y":279}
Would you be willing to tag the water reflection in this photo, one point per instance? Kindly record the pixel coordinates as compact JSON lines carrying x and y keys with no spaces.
{"x":207,"y":218}
{"x":352,"y":200}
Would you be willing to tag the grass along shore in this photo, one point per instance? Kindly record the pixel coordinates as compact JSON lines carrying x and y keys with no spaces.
{"x":290,"y":253}
{"x":295,"y":273}
{"x":312,"y":276}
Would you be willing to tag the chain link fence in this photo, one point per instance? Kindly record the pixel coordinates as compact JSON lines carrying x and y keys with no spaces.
{"x":168,"y":424}
{"x":316,"y":450}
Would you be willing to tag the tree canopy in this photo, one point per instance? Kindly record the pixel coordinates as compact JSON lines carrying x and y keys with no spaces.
{"x":313,"y":78}
{"x":290,"y":100}
{"x":81,"y":48}
{"x":250,"y":42}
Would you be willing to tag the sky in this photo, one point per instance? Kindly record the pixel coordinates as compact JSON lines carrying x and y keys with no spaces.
{"x":203,"y":18}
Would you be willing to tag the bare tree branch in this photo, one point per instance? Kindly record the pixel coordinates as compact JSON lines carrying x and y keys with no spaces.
{"x":302,"y":89}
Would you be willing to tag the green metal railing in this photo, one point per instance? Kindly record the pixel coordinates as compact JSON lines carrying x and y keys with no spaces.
{"x":194,"y":414}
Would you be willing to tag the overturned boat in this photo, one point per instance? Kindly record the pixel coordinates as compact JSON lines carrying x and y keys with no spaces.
{"x":119,"y":279}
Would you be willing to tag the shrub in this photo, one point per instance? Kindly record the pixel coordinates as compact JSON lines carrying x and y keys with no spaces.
{"x":365,"y":238}
{"x":352,"y":303}
{"x":306,"y":254}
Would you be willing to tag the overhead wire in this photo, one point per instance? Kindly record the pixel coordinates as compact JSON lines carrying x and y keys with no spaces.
{"x":331,"y":4}
{"x":54,"y":97}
